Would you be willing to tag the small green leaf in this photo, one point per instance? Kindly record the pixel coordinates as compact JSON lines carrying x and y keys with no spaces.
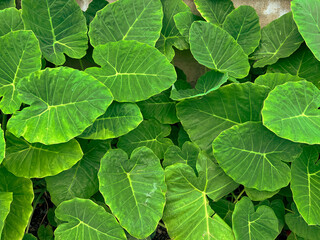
{"x":29,"y":236}
{"x":272,"y":80}
{"x":86,"y":220}
{"x":134,"y":189}
{"x":292,"y":112}
{"x":224,"y":209}
{"x":256,"y":195}
{"x":45,"y":233}
{"x":11,"y":20}
{"x":183,"y":21}
{"x":93,"y":8}
{"x":2,"y":146}
{"x":5,"y":202}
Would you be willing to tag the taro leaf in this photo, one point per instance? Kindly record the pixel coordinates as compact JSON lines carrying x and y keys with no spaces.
{"x":35,"y":160}
{"x":133,"y":71}
{"x":204,"y":119}
{"x":63,"y":103}
{"x":249,"y":224}
{"x":187,"y":213}
{"x":119,"y":119}
{"x":188,"y":154}
{"x":255,"y":157}
{"x":93,"y":7}
{"x":292,"y":112}
{"x":272,"y":80}
{"x":2,"y":146}
{"x":214,"y":11}
{"x":305,"y":14}
{"x":224,"y":209}
{"x":11,"y":20}
{"x":160,"y":107}
{"x":243,"y":25}
{"x":298,"y":225}
{"x":5,"y":202}
{"x":134,"y":189}
{"x":256,"y":195}
{"x":20,"y":208}
{"x":86,"y":220}
{"x":206,"y":83}
{"x":149,"y":133}
{"x":7,"y":4}
{"x":29,"y":236}
{"x":294,"y":236}
{"x":216,"y":49}
{"x":60,"y":27}
{"x":305,"y":185}
{"x":301,"y":63}
{"x":45,"y":232}
{"x":279,"y":39}
{"x":182,"y":136}
{"x":170,"y":35}
{"x":82,"y":179}
{"x":183,"y":21}
{"x":20,"y":54}
{"x":139,"y":20}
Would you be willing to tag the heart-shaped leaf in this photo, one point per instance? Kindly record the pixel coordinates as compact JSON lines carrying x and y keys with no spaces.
{"x":272,"y":80}
{"x":5,"y":202}
{"x":11,"y":20}
{"x":183,"y":21}
{"x":256,"y":195}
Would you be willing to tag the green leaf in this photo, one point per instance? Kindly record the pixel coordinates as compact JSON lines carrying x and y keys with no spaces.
{"x":60,"y":27}
{"x":224,"y":209}
{"x":35,"y":160}
{"x":305,"y":185}
{"x":149,"y":133}
{"x":63,"y":103}
{"x":279,"y":39}
{"x":7,"y":4}
{"x":134,"y":189}
{"x":305,"y":14}
{"x":118,"y":120}
{"x":249,"y":224}
{"x":292,"y":112}
{"x":183,"y":21}
{"x":170,"y":36}
{"x":2,"y":146}
{"x":160,"y":107}
{"x":21,"y":56}
{"x":29,"y":236}
{"x":293,"y":236}
{"x":45,"y":233}
{"x":11,"y":20}
{"x":93,"y":8}
{"x":214,"y":11}
{"x":243,"y":25}
{"x":255,"y":157}
{"x":187,"y":213}
{"x":223,"y":54}
{"x":207,"y":83}
{"x":139,"y":20}
{"x":82,"y":179}
{"x":256,"y":195}
{"x":133,"y":71}
{"x":182,"y":136}
{"x":301,"y":63}
{"x":5,"y":202}
{"x":205,"y":118}
{"x":297,"y":225}
{"x":20,"y":208}
{"x":86,"y":220}
{"x":272,"y":80}
{"x":188,"y":154}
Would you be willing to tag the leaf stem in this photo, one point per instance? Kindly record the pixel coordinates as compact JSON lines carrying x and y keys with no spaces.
{"x":289,"y":210}
{"x":4,"y":122}
{"x":34,"y":208}
{"x":162,"y":225}
{"x":239,"y":196}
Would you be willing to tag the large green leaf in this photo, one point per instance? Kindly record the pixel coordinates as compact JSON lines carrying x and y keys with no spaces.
{"x":223,"y":53}
{"x":272,"y":80}
{"x":160,"y":107}
{"x":205,"y":118}
{"x":301,"y":63}
{"x":134,"y":189}
{"x":60,"y":27}
{"x":206,"y":83}
{"x":305,"y":14}
{"x":7,"y":4}
{"x":118,"y":120}
{"x":133,"y":71}
{"x":214,"y":11}
{"x":255,"y":157}
{"x":305,"y":185}
{"x":35,"y":160}
{"x":82,"y":179}
{"x":292,"y":111}
{"x":149,"y":133}
{"x":86,"y":220}
{"x":249,"y":224}
{"x":20,"y":208}
{"x":170,"y":35}
{"x":243,"y":25}
{"x":139,"y":20}
{"x":187,"y":213}
{"x":63,"y":103}
{"x":279,"y":39}
{"x":5,"y":202}
{"x":183,"y":21}
{"x":93,"y":8}
{"x":10,"y":19}
{"x":20,"y":54}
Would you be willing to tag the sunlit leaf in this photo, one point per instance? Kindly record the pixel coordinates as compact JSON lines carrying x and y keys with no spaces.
{"x":10,"y":19}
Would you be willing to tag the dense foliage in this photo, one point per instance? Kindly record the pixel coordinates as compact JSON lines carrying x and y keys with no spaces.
{"x":103,"y":138}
